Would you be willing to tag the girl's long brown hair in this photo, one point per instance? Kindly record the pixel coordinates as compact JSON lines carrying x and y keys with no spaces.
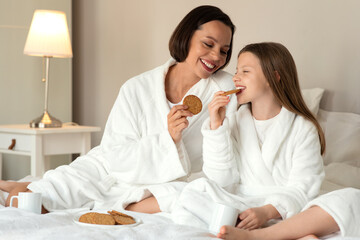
{"x":276,"y":58}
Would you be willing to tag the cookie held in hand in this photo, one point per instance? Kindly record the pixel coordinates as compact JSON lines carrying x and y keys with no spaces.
{"x":194,"y":103}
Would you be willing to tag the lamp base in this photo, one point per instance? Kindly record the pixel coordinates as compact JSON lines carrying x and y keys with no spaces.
{"x":45,"y":121}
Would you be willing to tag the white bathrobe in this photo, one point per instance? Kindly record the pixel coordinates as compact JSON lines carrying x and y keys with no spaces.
{"x":286,"y":172}
{"x":344,"y":207}
{"x":137,"y":156}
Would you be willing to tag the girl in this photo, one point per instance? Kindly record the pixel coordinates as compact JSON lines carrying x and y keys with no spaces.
{"x":271,"y":147}
{"x":152,"y":144}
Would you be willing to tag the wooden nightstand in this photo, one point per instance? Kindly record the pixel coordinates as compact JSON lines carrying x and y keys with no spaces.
{"x":38,"y":143}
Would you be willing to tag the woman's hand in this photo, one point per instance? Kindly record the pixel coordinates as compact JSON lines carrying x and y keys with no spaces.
{"x":253,"y":218}
{"x":217,"y":110}
{"x":177,"y":121}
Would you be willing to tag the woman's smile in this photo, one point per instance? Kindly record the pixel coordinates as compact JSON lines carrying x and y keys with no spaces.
{"x":208,"y":65}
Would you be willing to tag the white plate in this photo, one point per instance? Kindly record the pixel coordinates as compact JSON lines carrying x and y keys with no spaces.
{"x":76,"y":220}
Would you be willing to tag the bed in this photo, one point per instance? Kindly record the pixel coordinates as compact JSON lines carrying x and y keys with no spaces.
{"x":342,"y":167}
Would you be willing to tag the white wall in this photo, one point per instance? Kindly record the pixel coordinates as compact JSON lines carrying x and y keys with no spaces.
{"x":21,"y":90}
{"x":116,"y":40}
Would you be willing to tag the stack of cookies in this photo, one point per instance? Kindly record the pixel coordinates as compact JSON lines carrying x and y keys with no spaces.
{"x":113,"y":218}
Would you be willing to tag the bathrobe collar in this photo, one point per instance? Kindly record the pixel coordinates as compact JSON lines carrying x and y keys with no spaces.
{"x":281,"y":129}
{"x":159,"y":89}
{"x":249,"y":143}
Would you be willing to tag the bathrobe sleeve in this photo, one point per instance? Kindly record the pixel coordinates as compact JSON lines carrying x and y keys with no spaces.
{"x":136,"y":143}
{"x":219,"y":153}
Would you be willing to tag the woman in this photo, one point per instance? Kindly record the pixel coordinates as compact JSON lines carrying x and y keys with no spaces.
{"x":152,"y":144}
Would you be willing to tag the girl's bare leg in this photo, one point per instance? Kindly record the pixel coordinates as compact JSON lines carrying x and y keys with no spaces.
{"x":147,"y":205}
{"x":313,"y":221}
{"x":308,"y":237}
{"x":13,"y":188}
{"x":7,"y":186}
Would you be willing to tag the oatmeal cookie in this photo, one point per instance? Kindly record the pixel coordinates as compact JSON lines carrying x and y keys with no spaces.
{"x":97,"y":218}
{"x":121,"y":218}
{"x":194,"y":103}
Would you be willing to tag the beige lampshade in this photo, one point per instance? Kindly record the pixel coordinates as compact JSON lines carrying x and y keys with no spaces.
{"x":48,"y":35}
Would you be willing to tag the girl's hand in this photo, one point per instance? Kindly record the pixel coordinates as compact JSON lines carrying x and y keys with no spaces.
{"x":217,"y":110}
{"x":177,"y":121}
{"x":253,"y":218}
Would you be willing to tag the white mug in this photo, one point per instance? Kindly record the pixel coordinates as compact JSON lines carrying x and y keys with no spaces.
{"x":222,"y":215}
{"x":28,"y":201}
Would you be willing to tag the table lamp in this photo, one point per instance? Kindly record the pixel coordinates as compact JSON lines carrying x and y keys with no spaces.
{"x":48,"y":37}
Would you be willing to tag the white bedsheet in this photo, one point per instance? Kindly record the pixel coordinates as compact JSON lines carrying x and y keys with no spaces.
{"x":342,"y":169}
{"x":18,"y":224}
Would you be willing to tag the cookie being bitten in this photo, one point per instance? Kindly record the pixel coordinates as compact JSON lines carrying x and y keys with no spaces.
{"x":194,"y":103}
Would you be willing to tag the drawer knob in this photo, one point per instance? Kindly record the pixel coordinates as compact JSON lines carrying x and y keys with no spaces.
{"x":12,"y":145}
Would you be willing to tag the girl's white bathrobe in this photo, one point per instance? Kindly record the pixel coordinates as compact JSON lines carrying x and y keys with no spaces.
{"x":137,"y":156}
{"x":286,"y":171}
{"x":344,"y":207}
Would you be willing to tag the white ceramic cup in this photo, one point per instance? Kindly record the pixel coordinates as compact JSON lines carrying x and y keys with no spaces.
{"x":222,"y":215}
{"x":28,"y":201}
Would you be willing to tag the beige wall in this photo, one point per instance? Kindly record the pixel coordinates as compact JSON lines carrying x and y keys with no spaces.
{"x":21,"y":90}
{"x":116,"y":40}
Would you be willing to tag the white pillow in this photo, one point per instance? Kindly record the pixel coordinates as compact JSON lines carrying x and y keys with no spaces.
{"x":342,"y":154}
{"x":312,"y":98}
{"x":342,"y":135}
{"x":343,"y":174}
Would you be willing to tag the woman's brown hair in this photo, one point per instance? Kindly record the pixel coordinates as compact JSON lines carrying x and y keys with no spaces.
{"x":276,"y":60}
{"x":180,"y":39}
